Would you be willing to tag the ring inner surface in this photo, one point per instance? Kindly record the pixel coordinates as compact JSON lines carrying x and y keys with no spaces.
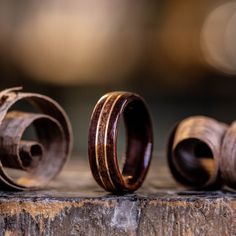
{"x":138,"y":141}
{"x":194,"y":160}
{"x":49,"y":164}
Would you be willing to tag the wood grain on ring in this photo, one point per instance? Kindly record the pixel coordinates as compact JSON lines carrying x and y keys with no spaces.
{"x":103,"y":140}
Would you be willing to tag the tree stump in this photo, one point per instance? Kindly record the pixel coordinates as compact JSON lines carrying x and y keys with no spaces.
{"x":74,"y":205}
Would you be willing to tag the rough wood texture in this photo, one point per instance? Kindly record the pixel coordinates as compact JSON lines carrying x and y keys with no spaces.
{"x":76,"y":205}
{"x":43,"y":160}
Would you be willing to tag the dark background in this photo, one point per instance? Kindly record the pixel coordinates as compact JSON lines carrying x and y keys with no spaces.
{"x":179,"y":55}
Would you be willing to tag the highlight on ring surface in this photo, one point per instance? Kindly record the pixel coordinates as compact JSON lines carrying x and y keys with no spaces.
{"x":103,"y":133}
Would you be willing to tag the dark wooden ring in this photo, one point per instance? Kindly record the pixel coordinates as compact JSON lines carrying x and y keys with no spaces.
{"x":228,"y":157}
{"x":194,"y":152}
{"x":103,"y":141}
{"x":40,"y":159}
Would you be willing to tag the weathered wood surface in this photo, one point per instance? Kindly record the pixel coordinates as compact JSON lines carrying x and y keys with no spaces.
{"x":75,"y":205}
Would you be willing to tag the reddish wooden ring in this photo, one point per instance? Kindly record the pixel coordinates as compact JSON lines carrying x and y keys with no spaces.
{"x":102,"y":147}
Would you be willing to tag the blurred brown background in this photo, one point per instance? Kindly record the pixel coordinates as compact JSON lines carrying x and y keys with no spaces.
{"x":179,"y":55}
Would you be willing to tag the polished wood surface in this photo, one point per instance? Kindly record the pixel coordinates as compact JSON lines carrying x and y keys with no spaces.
{"x":103,"y":141}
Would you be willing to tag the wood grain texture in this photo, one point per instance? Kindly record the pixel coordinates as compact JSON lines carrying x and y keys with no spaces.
{"x":75,"y":205}
{"x":194,"y":152}
{"x":102,"y":144}
{"x":41,"y":159}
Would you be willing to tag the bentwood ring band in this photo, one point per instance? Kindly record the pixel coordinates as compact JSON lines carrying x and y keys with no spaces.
{"x":194,"y":152}
{"x":41,"y":158}
{"x":102,"y":147}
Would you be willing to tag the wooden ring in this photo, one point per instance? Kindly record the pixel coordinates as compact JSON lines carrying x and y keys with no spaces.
{"x":228,"y":157}
{"x":194,"y":152}
{"x":102,"y":147}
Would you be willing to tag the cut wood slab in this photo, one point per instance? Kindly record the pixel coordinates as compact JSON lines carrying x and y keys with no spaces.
{"x":74,"y":205}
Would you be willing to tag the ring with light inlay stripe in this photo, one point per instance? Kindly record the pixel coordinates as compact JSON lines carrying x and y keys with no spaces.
{"x":102,"y":145}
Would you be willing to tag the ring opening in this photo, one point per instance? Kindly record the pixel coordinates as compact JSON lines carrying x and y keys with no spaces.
{"x":121,"y":143}
{"x":47,"y":154}
{"x":138,"y":141}
{"x":194,"y":160}
{"x":30,"y":153}
{"x":36,"y":150}
{"x":33,"y":155}
{"x":53,"y":153}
